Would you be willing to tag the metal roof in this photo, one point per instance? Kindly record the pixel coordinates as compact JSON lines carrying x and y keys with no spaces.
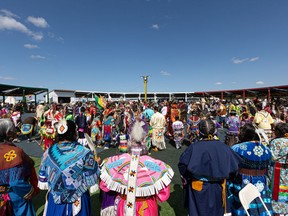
{"x":275,"y":91}
{"x":11,"y":90}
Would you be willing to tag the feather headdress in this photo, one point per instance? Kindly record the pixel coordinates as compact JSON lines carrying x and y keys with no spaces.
{"x":138,"y":132}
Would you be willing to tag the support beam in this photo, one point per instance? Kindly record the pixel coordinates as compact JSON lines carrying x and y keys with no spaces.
{"x":244,"y":95}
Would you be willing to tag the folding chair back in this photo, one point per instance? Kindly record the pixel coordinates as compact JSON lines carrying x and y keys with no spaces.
{"x":248,"y":194}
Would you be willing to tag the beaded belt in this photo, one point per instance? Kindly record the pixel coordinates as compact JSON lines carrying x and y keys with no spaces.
{"x":252,"y":172}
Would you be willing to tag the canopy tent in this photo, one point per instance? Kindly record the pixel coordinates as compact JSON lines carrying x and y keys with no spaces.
{"x":20,"y":91}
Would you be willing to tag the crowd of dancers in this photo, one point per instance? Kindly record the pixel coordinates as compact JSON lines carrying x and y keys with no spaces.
{"x":213,"y":169}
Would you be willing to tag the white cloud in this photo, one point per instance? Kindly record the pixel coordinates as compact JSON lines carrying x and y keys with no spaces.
{"x":218,"y":83}
{"x":260,"y":83}
{"x":7,"y":78}
{"x":234,"y":82}
{"x":9,"y":23}
{"x":37,"y":57}
{"x":254,"y":59}
{"x":30,"y":46}
{"x":165,"y":73}
{"x":38,"y":22}
{"x":8,"y":13}
{"x":155,"y":26}
{"x":37,"y":36}
{"x":240,"y":61}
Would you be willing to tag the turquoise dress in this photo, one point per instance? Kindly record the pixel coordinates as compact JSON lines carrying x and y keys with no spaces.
{"x":68,"y":170}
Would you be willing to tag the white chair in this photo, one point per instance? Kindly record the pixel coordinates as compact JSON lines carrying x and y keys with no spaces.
{"x":248,"y":194}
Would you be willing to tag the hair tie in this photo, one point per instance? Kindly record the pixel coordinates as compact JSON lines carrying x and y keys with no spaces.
{"x":210,"y":137}
{"x":62,"y":127}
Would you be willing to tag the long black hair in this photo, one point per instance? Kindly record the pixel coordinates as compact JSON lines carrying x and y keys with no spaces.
{"x":248,"y":133}
{"x":70,"y":134}
{"x":281,"y":129}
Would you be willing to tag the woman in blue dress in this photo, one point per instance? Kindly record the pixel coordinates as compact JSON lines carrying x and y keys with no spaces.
{"x":18,"y":179}
{"x":204,"y":167}
{"x":68,"y":170}
{"x":253,"y":169}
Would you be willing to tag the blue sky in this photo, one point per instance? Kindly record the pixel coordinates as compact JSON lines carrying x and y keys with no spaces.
{"x":107,"y":45}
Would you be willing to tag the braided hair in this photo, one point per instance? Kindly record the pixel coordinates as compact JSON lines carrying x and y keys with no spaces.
{"x":207,"y":129}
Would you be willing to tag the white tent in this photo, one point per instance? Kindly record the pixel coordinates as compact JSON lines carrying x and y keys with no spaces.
{"x":10,"y":100}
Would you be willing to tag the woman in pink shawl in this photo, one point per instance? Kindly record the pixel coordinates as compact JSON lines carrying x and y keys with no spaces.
{"x":133,"y":182}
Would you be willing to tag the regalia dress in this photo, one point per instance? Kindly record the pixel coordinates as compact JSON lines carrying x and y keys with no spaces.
{"x":152,"y":183}
{"x":133,"y":183}
{"x":157,"y":123}
{"x":233,"y":124}
{"x":193,"y":130}
{"x":279,"y":175}
{"x":17,"y":175}
{"x":96,"y":134}
{"x":204,"y":167}
{"x":48,"y":133}
{"x":122,"y":139}
{"x":68,"y":170}
{"x":108,"y":124}
{"x":178,"y":133}
{"x":253,"y":169}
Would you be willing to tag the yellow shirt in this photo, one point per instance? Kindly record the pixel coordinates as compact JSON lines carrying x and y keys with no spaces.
{"x":263,"y":119}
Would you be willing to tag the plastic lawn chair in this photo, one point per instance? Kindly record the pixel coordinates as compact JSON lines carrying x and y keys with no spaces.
{"x":248,"y":194}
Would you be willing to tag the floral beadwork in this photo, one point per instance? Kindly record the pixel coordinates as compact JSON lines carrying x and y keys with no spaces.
{"x":9,"y":156}
{"x":258,"y":151}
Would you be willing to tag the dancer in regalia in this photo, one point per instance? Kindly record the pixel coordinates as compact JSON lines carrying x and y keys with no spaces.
{"x":133,"y":182}
{"x":253,"y":169}
{"x":279,"y":170}
{"x":204,"y":167}
{"x":68,"y":171}
{"x":18,"y":179}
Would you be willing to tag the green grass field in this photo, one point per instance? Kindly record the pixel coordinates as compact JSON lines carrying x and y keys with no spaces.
{"x":172,"y":207}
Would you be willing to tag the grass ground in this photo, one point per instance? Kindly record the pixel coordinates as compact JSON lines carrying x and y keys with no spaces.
{"x":172,"y":207}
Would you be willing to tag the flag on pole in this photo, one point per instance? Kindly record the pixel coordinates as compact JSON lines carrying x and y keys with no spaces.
{"x":100,"y":102}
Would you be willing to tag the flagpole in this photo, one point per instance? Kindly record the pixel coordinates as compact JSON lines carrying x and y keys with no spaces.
{"x":145,"y":79}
